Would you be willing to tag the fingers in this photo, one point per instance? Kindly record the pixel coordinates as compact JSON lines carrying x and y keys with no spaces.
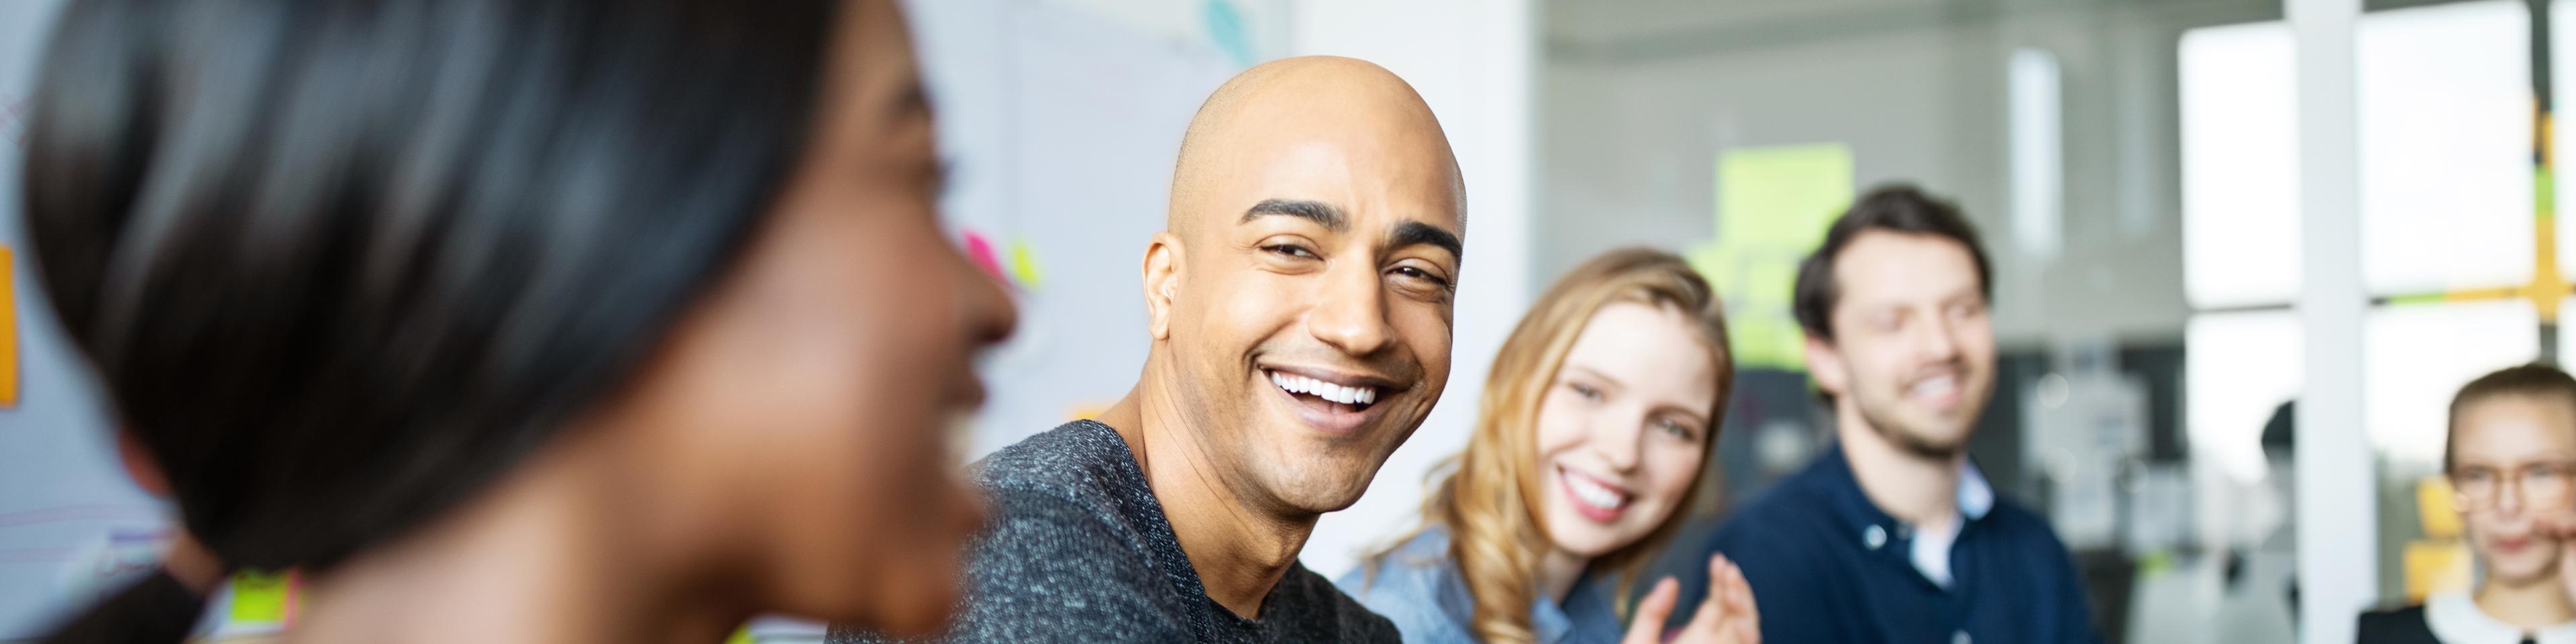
{"x":1748,"y":628}
{"x":1748,"y":624}
{"x":1723,"y":573}
{"x":1647,"y":626}
{"x":1724,"y":581}
{"x":1739,"y":597}
{"x":1742,"y":617}
{"x":2555,"y":524}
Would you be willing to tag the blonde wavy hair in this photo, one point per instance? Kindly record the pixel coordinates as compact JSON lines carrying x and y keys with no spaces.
{"x":1486,"y":494}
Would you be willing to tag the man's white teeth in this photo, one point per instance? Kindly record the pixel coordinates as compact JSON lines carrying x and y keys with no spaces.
{"x":1592,"y":494}
{"x":1296,"y":384}
{"x":1936,"y":386}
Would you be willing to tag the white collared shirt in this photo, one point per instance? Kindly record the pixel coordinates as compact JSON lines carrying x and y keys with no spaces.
{"x":2455,"y":619}
{"x":1931,"y":551}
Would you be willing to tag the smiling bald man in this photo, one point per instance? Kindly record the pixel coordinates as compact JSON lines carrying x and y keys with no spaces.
{"x":1300,"y":305}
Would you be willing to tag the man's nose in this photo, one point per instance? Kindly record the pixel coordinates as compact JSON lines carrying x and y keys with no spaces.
{"x":1936,"y":338}
{"x":1350,"y":310}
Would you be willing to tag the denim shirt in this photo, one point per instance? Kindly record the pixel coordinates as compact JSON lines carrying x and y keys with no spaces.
{"x":1419,"y":588}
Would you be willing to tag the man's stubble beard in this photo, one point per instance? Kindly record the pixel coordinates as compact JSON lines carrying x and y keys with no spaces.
{"x":1911,"y":441}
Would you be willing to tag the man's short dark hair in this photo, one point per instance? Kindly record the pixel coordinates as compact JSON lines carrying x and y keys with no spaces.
{"x":1894,"y":208}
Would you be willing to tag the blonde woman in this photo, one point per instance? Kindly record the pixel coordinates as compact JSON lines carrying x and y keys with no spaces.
{"x":1600,"y":410}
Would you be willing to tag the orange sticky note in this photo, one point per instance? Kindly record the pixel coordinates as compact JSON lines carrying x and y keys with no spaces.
{"x":8,"y":331}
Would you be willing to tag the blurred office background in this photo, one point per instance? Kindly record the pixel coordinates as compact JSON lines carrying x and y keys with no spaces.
{"x":2237,"y":276}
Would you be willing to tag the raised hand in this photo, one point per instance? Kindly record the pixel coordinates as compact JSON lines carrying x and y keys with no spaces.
{"x":1726,"y":617}
{"x":2561,"y":525}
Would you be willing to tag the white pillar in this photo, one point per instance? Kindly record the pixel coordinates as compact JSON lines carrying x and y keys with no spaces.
{"x":1474,"y":61}
{"x":2337,"y":501}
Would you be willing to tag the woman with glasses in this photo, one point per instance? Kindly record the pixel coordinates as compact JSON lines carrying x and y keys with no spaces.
{"x":2509,"y":455}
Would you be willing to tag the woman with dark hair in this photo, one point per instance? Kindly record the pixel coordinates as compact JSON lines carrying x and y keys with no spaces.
{"x":511,"y":320}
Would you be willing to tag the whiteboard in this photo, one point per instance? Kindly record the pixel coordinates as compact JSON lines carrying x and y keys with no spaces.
{"x":70,"y":522}
{"x":1060,"y":120}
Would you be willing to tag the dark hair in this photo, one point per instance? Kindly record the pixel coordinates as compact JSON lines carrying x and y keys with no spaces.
{"x":341,"y":263}
{"x":1892,"y":208}
{"x":2535,"y":380}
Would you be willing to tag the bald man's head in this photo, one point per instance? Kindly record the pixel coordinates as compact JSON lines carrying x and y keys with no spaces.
{"x":1301,"y":98}
{"x":1300,"y":297}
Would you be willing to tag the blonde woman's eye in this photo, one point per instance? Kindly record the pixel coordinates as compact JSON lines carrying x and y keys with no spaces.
{"x":1674,"y":428}
{"x":1587,"y":392}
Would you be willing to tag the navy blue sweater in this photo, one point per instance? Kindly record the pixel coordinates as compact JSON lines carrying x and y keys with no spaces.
{"x":1827,"y":565}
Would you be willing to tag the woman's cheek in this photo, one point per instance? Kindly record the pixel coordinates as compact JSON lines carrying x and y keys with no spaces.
{"x":1674,"y":474}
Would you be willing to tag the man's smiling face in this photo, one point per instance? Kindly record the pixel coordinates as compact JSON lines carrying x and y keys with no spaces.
{"x":1309,"y":317}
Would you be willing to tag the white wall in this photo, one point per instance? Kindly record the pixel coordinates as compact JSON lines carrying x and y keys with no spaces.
{"x":1472,"y":60}
{"x":1636,"y":110}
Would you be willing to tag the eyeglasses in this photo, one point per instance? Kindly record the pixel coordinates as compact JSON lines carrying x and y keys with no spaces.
{"x":2541,"y":484}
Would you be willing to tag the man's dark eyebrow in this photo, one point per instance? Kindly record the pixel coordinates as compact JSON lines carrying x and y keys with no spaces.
{"x":1323,"y":214}
{"x":1411,"y":233}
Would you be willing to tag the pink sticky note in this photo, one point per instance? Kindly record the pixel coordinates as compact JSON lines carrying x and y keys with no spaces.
{"x":980,"y":250}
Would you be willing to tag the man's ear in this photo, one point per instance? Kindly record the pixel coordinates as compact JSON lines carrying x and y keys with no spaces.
{"x":1826,"y":366}
{"x":139,"y":464}
{"x":1162,"y":279}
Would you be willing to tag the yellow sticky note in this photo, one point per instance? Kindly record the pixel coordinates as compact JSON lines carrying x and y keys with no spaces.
{"x":1773,"y":205}
{"x":1024,"y":265}
{"x":259,"y":596}
{"x":2433,"y":507}
{"x":8,"y":330}
{"x":2435,"y":567}
{"x":741,"y":636}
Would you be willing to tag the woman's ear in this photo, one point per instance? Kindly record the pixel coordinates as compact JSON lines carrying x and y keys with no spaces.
{"x":139,"y":465}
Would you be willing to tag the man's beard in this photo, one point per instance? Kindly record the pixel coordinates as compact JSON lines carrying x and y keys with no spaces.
{"x":1911,"y":442}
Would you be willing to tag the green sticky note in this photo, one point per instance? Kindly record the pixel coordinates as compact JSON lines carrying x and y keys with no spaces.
{"x":1024,"y":265}
{"x":741,"y":636}
{"x":1760,"y":325}
{"x":259,"y":596}
{"x":1773,"y":205}
{"x":2155,"y":564}
{"x":1781,"y":197}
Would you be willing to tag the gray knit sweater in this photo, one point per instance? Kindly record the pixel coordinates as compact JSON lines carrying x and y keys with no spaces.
{"x":1080,"y":551}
